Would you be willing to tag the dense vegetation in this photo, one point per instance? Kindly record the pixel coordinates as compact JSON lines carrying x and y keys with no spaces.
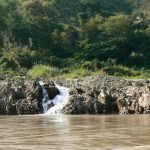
{"x":75,"y":37}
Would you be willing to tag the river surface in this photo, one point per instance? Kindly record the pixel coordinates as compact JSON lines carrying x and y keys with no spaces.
{"x":112,"y":132}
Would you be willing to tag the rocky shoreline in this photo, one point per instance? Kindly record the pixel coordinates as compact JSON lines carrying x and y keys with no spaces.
{"x":89,"y":95}
{"x":22,"y":97}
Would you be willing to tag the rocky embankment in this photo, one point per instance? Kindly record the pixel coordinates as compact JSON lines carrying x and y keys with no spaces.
{"x":22,"y":97}
{"x":107,"y":95}
{"x":90,"y":95}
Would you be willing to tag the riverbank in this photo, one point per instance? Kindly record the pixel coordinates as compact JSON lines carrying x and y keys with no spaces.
{"x":88,"y":95}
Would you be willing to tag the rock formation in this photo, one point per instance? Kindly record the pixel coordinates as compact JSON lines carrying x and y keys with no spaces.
{"x":89,"y":95}
{"x":21,"y":97}
{"x":107,"y":95}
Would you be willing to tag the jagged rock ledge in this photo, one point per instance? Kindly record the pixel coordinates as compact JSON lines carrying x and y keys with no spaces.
{"x":22,"y":97}
{"x":107,"y":95}
{"x":89,"y":95}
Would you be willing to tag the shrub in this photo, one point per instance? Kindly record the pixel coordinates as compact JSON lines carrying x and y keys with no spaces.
{"x":121,"y":71}
{"x":88,"y":65}
{"x":92,"y":65}
{"x":80,"y":72}
{"x":43,"y":71}
{"x":135,"y":59}
{"x":7,"y":63}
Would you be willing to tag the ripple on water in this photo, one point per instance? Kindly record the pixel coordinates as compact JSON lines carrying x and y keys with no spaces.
{"x":75,"y":132}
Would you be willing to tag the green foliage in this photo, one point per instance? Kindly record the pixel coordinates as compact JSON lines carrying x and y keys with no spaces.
{"x":122,"y":71}
{"x":92,"y":65}
{"x":16,"y":57}
{"x":80,"y":72}
{"x":78,"y":36}
{"x":136,"y":58}
{"x":38,"y":71}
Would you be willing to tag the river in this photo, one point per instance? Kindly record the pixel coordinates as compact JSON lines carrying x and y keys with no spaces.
{"x":83,"y":132}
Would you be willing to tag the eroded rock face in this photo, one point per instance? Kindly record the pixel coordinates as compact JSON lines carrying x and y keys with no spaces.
{"x":107,"y":95}
{"x":90,"y":95}
{"x":90,"y":99}
{"x":21,"y":97}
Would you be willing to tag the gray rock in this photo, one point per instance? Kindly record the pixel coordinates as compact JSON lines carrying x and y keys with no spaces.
{"x":106,"y":94}
{"x":23,"y":96}
{"x":89,"y":95}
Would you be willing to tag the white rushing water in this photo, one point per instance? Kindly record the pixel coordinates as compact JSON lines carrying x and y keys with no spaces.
{"x":59,"y":101}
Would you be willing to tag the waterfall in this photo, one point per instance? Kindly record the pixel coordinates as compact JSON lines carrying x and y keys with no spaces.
{"x":57,"y":103}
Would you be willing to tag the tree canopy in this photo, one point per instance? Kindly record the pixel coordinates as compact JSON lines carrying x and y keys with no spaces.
{"x":55,"y":32}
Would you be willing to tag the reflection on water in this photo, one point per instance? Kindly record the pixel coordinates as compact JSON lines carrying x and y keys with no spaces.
{"x":75,"y":132}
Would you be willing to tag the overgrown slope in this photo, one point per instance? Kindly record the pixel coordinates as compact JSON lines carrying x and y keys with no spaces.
{"x":74,"y":34}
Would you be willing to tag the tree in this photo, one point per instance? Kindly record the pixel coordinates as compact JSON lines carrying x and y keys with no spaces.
{"x":118,"y":31}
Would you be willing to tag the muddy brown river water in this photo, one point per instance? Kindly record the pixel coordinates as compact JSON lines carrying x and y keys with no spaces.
{"x":61,"y":132}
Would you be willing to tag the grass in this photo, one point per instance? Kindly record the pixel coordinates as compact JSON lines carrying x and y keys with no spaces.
{"x":80,"y":72}
{"x":48,"y":72}
{"x":44,"y":71}
{"x":117,"y":71}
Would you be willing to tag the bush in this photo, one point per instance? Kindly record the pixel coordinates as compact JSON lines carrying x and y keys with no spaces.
{"x":17,"y":59}
{"x":121,"y":71}
{"x":135,"y":59}
{"x":8,"y":63}
{"x":88,"y":65}
{"x":92,"y":65}
{"x":80,"y":72}
{"x":43,"y":71}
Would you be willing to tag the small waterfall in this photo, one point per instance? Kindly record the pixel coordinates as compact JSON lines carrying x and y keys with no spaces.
{"x":57,"y":103}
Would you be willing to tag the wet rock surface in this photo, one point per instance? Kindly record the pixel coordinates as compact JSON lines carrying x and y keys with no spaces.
{"x":21,"y":97}
{"x":89,"y":95}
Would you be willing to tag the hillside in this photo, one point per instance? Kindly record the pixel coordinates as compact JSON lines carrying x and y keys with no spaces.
{"x":75,"y":38}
